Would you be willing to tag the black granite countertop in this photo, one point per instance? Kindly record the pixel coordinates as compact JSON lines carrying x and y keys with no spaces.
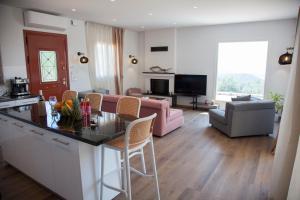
{"x":108,"y":125}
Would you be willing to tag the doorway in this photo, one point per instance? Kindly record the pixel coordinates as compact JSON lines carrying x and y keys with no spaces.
{"x":47,"y":63}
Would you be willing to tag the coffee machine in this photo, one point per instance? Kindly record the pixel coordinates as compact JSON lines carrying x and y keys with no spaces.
{"x":19,"y":87}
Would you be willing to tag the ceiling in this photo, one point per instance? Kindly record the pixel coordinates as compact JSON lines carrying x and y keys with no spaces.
{"x":154,"y":14}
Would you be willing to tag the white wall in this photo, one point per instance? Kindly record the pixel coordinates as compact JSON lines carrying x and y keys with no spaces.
{"x":196,"y":49}
{"x":131,"y":72}
{"x":13,"y":53}
{"x":165,"y":59}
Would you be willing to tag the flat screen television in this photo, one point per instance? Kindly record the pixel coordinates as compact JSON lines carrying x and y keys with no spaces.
{"x":190,"y":84}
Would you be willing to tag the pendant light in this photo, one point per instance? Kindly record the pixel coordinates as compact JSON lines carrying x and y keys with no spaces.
{"x":286,"y":59}
{"x":83,"y":59}
{"x":133,"y":59}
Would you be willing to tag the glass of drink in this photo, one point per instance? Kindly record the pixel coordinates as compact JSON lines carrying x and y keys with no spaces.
{"x":52,"y":102}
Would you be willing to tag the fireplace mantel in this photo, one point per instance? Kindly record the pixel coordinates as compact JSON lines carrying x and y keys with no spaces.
{"x":158,"y":73}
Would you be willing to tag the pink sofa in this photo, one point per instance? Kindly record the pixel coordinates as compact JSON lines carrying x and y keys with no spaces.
{"x":167,"y":120}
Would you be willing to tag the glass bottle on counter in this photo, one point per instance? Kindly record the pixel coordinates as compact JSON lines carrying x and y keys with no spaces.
{"x":41,"y":105}
{"x":85,"y":107}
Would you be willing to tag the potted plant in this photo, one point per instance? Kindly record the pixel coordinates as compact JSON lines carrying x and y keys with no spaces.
{"x":278,"y":99}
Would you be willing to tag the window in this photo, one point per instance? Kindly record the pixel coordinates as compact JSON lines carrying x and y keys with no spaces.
{"x":241,"y":69}
{"x":48,"y":65}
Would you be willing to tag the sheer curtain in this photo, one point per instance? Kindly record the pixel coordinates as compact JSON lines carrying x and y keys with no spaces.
{"x":289,"y":131}
{"x":102,"y":56}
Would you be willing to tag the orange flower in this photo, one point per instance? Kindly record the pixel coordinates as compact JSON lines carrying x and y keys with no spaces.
{"x":69,"y":103}
{"x":58,"y":106}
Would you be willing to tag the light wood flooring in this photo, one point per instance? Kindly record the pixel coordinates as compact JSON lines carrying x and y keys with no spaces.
{"x":194,"y":162}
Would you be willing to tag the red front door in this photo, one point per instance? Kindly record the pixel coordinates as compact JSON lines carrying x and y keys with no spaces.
{"x":47,"y":65}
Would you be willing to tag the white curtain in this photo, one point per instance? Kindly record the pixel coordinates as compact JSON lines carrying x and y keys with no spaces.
{"x":289,"y":131}
{"x":101,"y":56}
{"x":294,"y":189}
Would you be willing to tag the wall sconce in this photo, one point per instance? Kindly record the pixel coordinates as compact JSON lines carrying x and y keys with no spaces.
{"x":133,"y":59}
{"x":83,"y":59}
{"x":286,"y":59}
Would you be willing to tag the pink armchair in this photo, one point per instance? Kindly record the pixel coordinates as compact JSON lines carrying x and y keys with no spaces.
{"x":167,"y":120}
{"x":135,"y":92}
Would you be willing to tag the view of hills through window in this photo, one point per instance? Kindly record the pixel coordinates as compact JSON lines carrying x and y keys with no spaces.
{"x":241,"y":69}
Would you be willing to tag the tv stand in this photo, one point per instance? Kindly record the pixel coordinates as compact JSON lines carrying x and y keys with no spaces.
{"x":194,"y":99}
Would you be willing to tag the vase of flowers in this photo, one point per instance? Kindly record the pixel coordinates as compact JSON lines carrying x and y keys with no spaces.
{"x":70,"y":113}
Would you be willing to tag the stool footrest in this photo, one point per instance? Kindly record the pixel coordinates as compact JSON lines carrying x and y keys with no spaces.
{"x":140,"y":173}
{"x":114,"y":188}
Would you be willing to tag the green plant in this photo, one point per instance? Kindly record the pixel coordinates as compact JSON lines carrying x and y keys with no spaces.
{"x":278,"y":99}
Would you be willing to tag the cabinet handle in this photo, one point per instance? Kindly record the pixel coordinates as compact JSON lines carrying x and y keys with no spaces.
{"x":59,"y":141}
{"x":18,"y":125}
{"x":37,"y":133}
{"x":4,"y":120}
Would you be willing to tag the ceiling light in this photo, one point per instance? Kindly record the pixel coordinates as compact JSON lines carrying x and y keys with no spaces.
{"x":73,"y":9}
{"x":112,"y":0}
{"x":150,"y":14}
{"x":142,"y":26}
{"x":174,"y":23}
{"x":114,"y":20}
{"x":195,"y":7}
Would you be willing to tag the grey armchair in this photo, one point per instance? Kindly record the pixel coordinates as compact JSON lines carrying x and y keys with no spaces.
{"x":244,"y":118}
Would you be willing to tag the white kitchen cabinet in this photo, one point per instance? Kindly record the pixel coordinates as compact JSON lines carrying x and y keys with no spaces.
{"x":4,"y":129}
{"x":8,"y":140}
{"x":22,"y":145}
{"x":66,"y":167}
{"x":41,"y":157}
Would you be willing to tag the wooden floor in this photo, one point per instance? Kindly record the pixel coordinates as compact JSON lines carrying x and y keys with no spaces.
{"x":194,"y":162}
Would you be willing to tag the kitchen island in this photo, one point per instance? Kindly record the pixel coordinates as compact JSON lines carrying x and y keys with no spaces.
{"x":61,"y":155}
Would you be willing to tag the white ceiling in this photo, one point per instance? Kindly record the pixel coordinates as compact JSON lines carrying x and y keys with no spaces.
{"x":153,"y":14}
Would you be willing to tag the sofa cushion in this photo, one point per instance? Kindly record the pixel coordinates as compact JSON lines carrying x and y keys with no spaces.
{"x":111,"y":98}
{"x":218,"y":115}
{"x":242,"y":98}
{"x":251,"y":105}
{"x":174,"y":113}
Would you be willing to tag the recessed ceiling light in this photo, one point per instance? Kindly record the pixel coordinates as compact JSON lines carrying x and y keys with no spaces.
{"x":174,"y":23}
{"x":114,"y":20}
{"x":112,"y":0}
{"x":150,"y":14}
{"x":73,"y":9}
{"x":195,"y":7}
{"x":142,"y":26}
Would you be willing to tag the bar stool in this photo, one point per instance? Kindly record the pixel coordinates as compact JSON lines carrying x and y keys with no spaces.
{"x":129,"y":106}
{"x":95,"y":101}
{"x":69,"y":95}
{"x":138,"y":134}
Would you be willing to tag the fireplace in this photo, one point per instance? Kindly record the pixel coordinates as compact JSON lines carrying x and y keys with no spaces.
{"x":159,"y":86}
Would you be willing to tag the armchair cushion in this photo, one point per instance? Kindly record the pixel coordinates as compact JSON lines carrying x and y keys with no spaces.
{"x":218,"y":115}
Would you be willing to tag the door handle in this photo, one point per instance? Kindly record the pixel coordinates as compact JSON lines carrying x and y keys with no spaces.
{"x":61,"y":142}
{"x":64,"y":81}
{"x":4,"y":120}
